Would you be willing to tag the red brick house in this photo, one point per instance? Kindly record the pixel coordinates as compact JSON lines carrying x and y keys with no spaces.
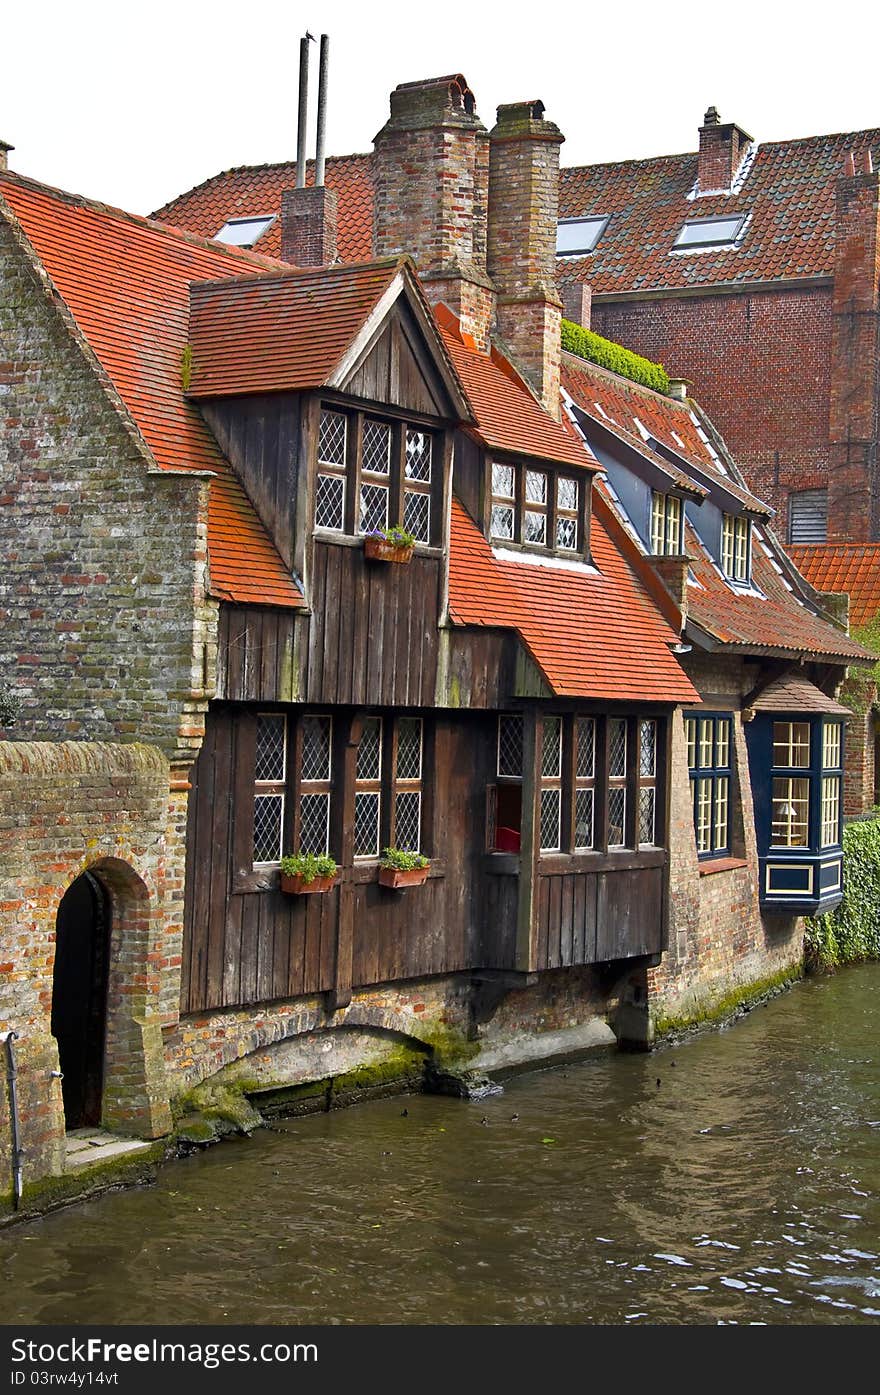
{"x":604,"y":712}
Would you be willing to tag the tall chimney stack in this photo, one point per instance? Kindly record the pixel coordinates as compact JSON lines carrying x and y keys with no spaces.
{"x":4,"y":153}
{"x":310,"y":215}
{"x":723,"y":148}
{"x":523,"y":210}
{"x":431,"y":176}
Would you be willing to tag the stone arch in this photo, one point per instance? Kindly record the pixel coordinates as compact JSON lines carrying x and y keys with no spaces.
{"x":135,"y":1092}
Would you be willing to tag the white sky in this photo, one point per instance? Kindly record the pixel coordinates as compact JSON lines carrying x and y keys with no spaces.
{"x":134,"y":103}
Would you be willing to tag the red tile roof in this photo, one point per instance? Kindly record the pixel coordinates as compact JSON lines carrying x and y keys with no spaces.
{"x":592,"y":636}
{"x":255,"y":190}
{"x":126,"y":282}
{"x":853,"y":568}
{"x":508,"y":416}
{"x":789,"y":192}
{"x":794,"y":693}
{"x":280,"y":332}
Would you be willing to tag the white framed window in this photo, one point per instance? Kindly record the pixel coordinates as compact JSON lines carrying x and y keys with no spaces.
{"x":709,"y":767}
{"x":736,"y":547}
{"x":710,"y":232}
{"x":575,"y":237}
{"x":666,"y":520}
{"x":244,"y":232}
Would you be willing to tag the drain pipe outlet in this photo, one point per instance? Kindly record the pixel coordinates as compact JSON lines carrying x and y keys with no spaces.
{"x":10,"y":1038}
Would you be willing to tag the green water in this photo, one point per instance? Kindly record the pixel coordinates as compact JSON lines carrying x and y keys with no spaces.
{"x":734,"y":1178}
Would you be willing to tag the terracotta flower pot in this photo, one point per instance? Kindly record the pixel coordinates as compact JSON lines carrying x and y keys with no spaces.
{"x":397,"y":878}
{"x":381,"y":550}
{"x":295,"y":886}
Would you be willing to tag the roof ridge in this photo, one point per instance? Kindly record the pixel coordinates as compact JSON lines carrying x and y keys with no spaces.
{"x":242,"y":254}
{"x":288,"y":272}
{"x":256,"y":169}
{"x":871,"y":131}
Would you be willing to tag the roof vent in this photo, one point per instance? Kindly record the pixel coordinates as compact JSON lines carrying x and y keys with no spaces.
{"x":711,"y":118}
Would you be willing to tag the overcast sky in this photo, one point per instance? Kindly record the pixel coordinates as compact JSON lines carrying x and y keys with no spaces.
{"x":134,"y":103}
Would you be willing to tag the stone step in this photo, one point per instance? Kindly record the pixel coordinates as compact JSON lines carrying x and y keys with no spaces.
{"x":87,"y":1146}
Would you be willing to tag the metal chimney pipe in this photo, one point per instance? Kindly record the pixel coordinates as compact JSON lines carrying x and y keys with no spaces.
{"x":303,"y":111}
{"x":322,"y":110}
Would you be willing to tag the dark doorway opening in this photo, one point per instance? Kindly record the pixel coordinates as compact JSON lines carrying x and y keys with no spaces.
{"x":79,"y":997}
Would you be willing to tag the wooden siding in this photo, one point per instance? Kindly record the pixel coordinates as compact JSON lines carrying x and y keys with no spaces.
{"x":397,"y":370}
{"x":584,"y":917}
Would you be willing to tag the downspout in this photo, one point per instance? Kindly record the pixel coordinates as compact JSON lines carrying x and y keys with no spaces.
{"x":12,"y":1080}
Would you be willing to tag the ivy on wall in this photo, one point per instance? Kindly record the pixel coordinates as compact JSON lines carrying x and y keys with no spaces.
{"x":585,"y":344}
{"x":852,"y":932}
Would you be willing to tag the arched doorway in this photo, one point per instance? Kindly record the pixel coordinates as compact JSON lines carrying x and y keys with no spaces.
{"x":79,"y":997}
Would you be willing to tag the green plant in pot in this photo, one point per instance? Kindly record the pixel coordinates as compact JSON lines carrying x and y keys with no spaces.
{"x":402,"y":867}
{"x":389,"y":544}
{"x":307,"y":874}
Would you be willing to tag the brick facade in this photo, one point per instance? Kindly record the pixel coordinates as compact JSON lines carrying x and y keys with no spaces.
{"x":309,"y":221}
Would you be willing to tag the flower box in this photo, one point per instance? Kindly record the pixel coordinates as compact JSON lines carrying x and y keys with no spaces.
{"x":296,"y":886}
{"x":397,"y":878}
{"x":379,"y":549}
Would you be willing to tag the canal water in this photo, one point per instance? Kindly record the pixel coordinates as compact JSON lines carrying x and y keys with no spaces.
{"x":731,"y":1178}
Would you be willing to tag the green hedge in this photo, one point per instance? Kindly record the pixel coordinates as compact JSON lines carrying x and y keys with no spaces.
{"x":607,"y":354}
{"x":852,"y":932}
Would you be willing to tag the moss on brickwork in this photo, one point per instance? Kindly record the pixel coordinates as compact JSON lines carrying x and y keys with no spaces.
{"x":852,"y":932}
{"x":584,"y":343}
{"x":51,"y":1192}
{"x":735,"y":1003}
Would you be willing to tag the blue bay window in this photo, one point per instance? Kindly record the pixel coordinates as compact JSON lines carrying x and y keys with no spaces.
{"x":797,"y":780}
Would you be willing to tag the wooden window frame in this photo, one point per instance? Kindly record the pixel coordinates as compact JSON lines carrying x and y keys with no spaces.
{"x":711,"y":780}
{"x":736,"y":548}
{"x":550,"y":509}
{"x":666,"y":514}
{"x":355,"y":476}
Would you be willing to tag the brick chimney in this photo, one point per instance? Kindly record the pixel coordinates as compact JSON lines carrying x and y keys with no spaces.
{"x":523,"y":208}
{"x":309,"y":220}
{"x":854,"y":430}
{"x":4,"y":154}
{"x":577,"y":302}
{"x":722,"y":150}
{"x":431,"y":177}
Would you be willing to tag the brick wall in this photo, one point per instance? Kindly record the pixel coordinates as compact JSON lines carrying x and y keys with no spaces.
{"x":66,"y":807}
{"x":759,"y":363}
{"x":103,"y":613}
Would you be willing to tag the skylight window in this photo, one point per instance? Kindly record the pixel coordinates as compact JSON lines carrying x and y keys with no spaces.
{"x":575,"y":237}
{"x":243,"y":232}
{"x":710,"y":232}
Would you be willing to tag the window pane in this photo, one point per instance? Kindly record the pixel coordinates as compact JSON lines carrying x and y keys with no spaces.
{"x":567,"y":494}
{"x":647,"y":747}
{"x":646,"y":815}
{"x":658,"y":514}
{"x":706,"y":725}
{"x":722,"y":743}
{"x":586,"y":747}
{"x":727,"y":545}
{"x":703,"y":815}
{"x":791,"y":809}
{"x":690,"y":729}
{"x":407,"y":820}
{"x":417,"y":515}
{"x":418,"y":455}
{"x":551,"y":809}
{"x":316,"y":748}
{"x":374,"y":508}
{"x":830,"y":810}
{"x":330,"y":502}
{"x":409,"y":748}
{"x":551,"y":748}
{"x":566,"y":534}
{"x":742,"y":549}
{"x":377,"y":448}
{"x":579,"y":235}
{"x":270,"y":760}
{"x":331,"y":438}
{"x":314,"y":823}
{"x":366,"y":824}
{"x":616,"y":818}
{"x":617,"y":746}
{"x":722,"y":804}
{"x":502,"y":481}
{"x":709,"y":232}
{"x":791,"y":744}
{"x":535,"y":528}
{"x":510,"y":746}
{"x":831,"y":745}
{"x":536,"y":487}
{"x":268,"y":815}
{"x":501,"y":524}
{"x":369,"y":757}
{"x":673,"y":525}
{"x":583,"y":819}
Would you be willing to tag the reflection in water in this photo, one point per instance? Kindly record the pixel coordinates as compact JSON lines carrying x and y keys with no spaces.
{"x":734,"y":1178}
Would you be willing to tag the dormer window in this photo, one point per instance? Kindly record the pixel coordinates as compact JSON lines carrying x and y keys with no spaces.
{"x":666,"y":525}
{"x":373,"y":474}
{"x":243,"y":232}
{"x":710,"y":232}
{"x":736,"y":548}
{"x":575,"y":237}
{"x":538,"y":508}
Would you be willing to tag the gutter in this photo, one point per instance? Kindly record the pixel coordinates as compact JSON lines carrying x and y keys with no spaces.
{"x":10,"y":1038}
